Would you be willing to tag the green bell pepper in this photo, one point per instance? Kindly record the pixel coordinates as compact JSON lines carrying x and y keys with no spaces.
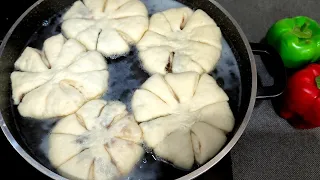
{"x":296,"y":39}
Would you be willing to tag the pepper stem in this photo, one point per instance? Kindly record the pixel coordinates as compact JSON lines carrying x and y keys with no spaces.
{"x":303,"y":31}
{"x":318,"y":81}
{"x":305,"y":26}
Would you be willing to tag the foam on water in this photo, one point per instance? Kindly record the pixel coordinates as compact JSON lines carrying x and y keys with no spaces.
{"x":126,"y":75}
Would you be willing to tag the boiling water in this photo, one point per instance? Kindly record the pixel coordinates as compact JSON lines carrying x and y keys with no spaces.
{"x":126,"y":75}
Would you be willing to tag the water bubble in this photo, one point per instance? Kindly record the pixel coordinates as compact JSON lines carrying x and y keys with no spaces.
{"x":144,"y":160}
{"x":45,"y":23}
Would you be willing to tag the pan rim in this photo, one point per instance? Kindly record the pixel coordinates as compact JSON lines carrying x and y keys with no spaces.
{"x":191,"y":175}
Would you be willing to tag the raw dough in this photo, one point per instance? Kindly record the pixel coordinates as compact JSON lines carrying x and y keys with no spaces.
{"x":59,"y":80}
{"x":99,"y":141}
{"x":184,"y":117}
{"x":108,"y":26}
{"x":180,"y":40}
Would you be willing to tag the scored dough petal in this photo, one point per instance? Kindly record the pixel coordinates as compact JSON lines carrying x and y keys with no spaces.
{"x":134,"y":27}
{"x":69,"y":125}
{"x":159,"y":24}
{"x":62,"y":99}
{"x":62,"y":147}
{"x":89,"y":112}
{"x":112,"y":5}
{"x":52,"y":48}
{"x":97,"y":114}
{"x":157,"y":85}
{"x":88,"y":61}
{"x":70,"y":50}
{"x":183,"y":84}
{"x":72,"y":27}
{"x":177,"y":17}
{"x":207,"y":141}
{"x":182,"y":63}
{"x":205,"y":55}
{"x":95,"y":6}
{"x":110,"y":43}
{"x":24,"y":82}
{"x":158,"y":129}
{"x":198,"y":19}
{"x":78,"y":167}
{"x":218,"y":115}
{"x":156,"y":59}
{"x":30,"y":61}
{"x":104,"y":168}
{"x":177,"y":148}
{"x":112,"y":111}
{"x":125,"y":154}
{"x":129,"y":9}
{"x":77,"y":10}
{"x":127,"y":129}
{"x":33,"y":104}
{"x":208,"y":92}
{"x":89,"y":37}
{"x":44,"y":59}
{"x":147,"y":106}
{"x":91,"y":84}
{"x":210,"y":34}
{"x":152,"y":39}
{"x":91,"y":109}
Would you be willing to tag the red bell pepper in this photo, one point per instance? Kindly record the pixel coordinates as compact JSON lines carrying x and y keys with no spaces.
{"x":301,"y":103}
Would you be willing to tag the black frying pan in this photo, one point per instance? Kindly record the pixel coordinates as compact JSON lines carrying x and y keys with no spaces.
{"x":235,"y":73}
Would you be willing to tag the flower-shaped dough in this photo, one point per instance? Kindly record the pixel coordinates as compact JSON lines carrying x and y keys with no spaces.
{"x":108,"y":26}
{"x":59,"y":80}
{"x":185,"y":117}
{"x":99,"y":141}
{"x":180,"y":40}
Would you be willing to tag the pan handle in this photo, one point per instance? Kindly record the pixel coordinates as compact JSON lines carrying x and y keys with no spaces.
{"x":274,"y":65}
